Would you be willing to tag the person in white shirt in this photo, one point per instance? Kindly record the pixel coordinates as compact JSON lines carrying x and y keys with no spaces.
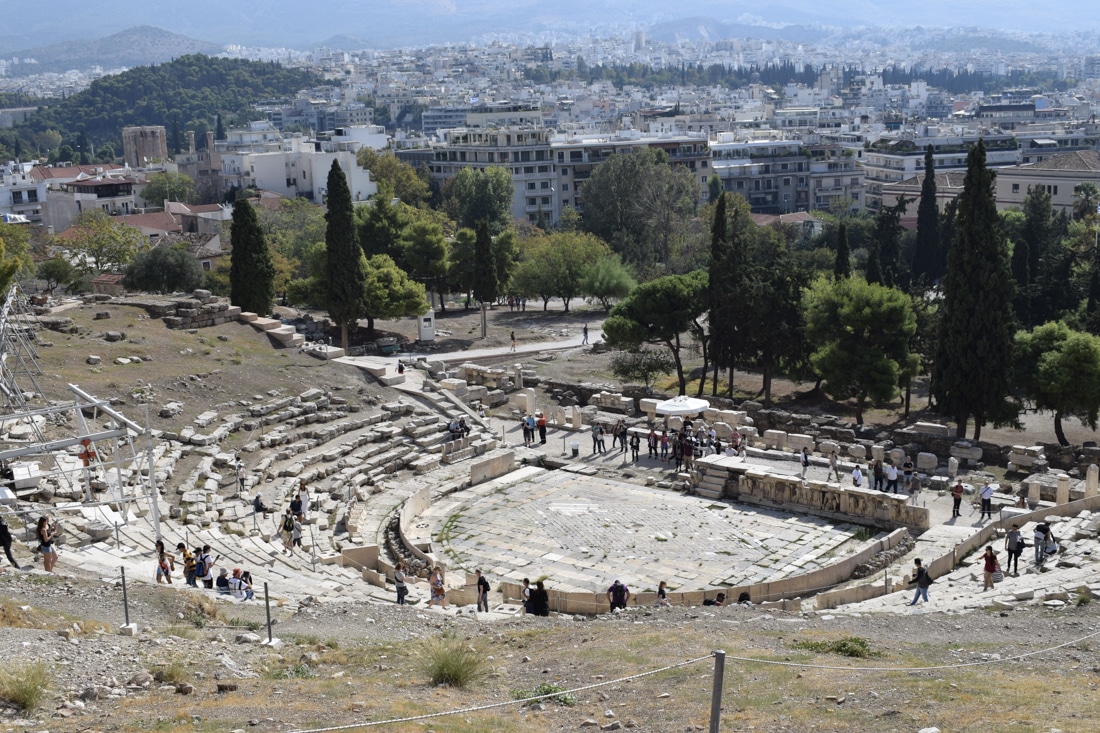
{"x":891,"y":477}
{"x":987,"y":501}
{"x":857,"y":477}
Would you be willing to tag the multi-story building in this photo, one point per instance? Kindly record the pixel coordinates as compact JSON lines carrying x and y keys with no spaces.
{"x":21,"y":192}
{"x":294,"y":166}
{"x":577,"y":154}
{"x":446,"y":117}
{"x":898,"y":158}
{"x":784,"y":176}
{"x":524,"y":151}
{"x":113,"y":195}
{"x":1059,"y":176}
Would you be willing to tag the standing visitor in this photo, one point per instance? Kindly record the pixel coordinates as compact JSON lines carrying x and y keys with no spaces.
{"x":1014,"y":545}
{"x":482,"y":592}
{"x":805,"y":461}
{"x":956,"y":498}
{"x":46,"y":533}
{"x":834,"y":468}
{"x":188,"y":564}
{"x":987,"y":501}
{"x":399,"y":583}
{"x":5,"y":540}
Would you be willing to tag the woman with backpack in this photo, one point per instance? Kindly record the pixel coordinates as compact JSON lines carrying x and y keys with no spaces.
{"x":286,"y":528}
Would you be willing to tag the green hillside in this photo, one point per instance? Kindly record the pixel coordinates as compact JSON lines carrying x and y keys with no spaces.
{"x":185,"y":94}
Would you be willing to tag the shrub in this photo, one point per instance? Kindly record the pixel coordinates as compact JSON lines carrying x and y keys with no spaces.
{"x":546,"y":688}
{"x":25,"y":684}
{"x":448,"y":660}
{"x":851,"y":646}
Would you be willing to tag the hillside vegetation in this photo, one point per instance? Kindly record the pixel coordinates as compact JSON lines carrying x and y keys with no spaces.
{"x":187,"y":92}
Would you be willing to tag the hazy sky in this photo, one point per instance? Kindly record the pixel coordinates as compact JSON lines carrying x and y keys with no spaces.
{"x":410,"y":22}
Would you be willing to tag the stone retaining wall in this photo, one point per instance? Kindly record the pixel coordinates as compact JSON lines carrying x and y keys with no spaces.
{"x":199,"y":310}
{"x":755,"y":484}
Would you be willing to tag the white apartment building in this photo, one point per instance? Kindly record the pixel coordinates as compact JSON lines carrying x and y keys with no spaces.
{"x":21,"y":192}
{"x":261,"y":158}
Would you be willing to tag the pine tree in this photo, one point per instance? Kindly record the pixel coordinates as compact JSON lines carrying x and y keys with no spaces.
{"x":251,"y":274}
{"x":842,"y":266}
{"x":346,"y":271}
{"x":926,"y":252}
{"x":974,"y":350}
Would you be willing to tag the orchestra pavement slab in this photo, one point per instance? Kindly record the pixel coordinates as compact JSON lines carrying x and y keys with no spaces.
{"x":583,"y":532}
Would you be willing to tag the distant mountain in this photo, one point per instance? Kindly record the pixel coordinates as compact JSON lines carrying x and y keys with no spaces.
{"x":138,"y":46}
{"x":389,"y":23}
{"x":344,"y":42}
{"x":709,"y":29}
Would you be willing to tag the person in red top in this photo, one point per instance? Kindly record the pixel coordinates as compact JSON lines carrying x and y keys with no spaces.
{"x":992,"y":565}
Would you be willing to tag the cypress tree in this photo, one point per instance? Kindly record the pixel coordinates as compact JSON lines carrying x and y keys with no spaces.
{"x":873,"y":270}
{"x":717,"y":320}
{"x":346,"y":273}
{"x":486,"y":286}
{"x":842,"y":266}
{"x":925,"y":253}
{"x":970,"y":373}
{"x":219,"y":129}
{"x":251,"y":274}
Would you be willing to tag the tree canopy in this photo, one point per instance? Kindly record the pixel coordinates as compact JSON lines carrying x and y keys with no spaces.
{"x":101,"y":243}
{"x":639,"y":204}
{"x":483,"y":194}
{"x":1058,"y":369}
{"x":402,"y":179}
{"x":860,"y":333}
{"x":659,"y":312}
{"x":164,"y":269}
{"x":168,"y":186}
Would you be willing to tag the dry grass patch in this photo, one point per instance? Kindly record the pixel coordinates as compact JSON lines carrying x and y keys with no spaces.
{"x":24,"y":685}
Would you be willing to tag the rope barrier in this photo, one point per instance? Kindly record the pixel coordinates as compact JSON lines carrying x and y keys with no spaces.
{"x":506,"y":703}
{"x":960,"y":665}
{"x":749,"y":660}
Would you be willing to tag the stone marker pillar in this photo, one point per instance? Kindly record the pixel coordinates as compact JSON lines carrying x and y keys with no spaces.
{"x":952,"y":467}
{"x":1032,"y":490}
{"x":1062,"y":497}
{"x":517,"y":375}
{"x":1092,"y":481}
{"x":576,"y":420}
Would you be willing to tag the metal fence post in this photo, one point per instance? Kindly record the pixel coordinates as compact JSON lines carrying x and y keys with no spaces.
{"x":267,"y":607}
{"x":716,"y":690}
{"x":125,"y":598}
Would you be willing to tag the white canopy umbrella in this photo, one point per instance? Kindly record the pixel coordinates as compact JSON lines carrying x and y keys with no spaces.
{"x":682,"y":405}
